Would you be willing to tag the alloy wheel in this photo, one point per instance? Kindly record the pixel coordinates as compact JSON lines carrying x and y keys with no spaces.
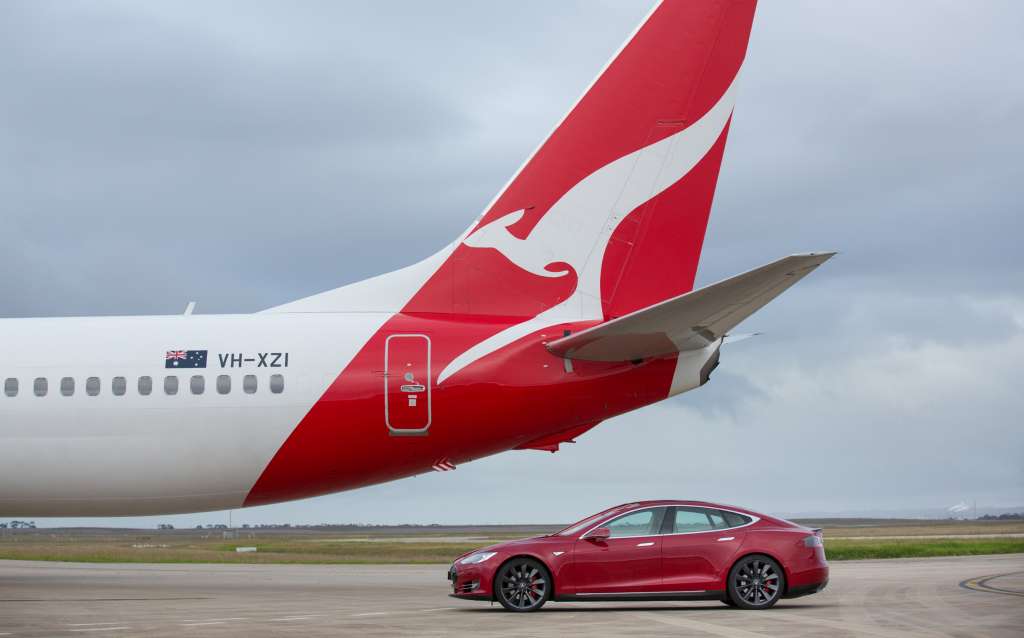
{"x":756,"y":582}
{"x":522,"y":585}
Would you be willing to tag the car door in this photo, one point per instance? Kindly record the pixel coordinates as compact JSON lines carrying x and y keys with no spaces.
{"x":697,"y":549}
{"x":629,"y":561}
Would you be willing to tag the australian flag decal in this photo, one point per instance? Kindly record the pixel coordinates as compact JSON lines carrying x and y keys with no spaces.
{"x":186,"y":359}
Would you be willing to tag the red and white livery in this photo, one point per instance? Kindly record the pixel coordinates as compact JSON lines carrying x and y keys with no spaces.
{"x":567,"y":302}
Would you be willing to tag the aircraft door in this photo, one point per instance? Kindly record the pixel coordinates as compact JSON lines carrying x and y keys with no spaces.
{"x":407,"y":400}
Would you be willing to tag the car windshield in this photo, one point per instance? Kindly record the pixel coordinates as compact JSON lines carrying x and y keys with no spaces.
{"x":578,"y":527}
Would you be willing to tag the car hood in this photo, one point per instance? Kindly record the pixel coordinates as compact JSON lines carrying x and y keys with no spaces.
{"x":520,"y":544}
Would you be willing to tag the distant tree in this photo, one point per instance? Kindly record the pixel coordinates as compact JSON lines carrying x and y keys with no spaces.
{"x":199,"y":527}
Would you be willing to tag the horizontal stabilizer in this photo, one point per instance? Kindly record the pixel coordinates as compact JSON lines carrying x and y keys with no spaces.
{"x":688,"y":322}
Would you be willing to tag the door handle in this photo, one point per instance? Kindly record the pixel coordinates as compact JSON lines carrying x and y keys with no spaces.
{"x":726,"y":538}
{"x":648,"y":544}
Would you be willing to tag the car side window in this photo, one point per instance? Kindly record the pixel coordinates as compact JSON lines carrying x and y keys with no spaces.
{"x":732,"y":519}
{"x":717,"y":520}
{"x":640,"y":523}
{"x":691,"y":519}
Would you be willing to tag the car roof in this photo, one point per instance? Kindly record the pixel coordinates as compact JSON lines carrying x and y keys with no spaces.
{"x":664,"y":502}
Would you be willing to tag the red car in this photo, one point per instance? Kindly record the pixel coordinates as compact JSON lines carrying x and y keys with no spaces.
{"x":653,"y":550}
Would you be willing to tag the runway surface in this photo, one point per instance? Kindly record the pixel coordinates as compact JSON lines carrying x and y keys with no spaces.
{"x":964,"y":596}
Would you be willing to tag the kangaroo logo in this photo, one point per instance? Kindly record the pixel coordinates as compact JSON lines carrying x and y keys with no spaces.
{"x":577,"y":228}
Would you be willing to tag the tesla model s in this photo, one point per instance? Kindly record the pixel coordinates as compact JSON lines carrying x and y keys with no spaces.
{"x":653,"y":550}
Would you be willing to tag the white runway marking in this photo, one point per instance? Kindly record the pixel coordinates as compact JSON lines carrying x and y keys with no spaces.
{"x":371,"y":613}
{"x":102,"y":629}
{"x":201,"y":624}
{"x":287,"y":618}
{"x":211,"y":620}
{"x":89,"y":624}
{"x":842,"y":625}
{"x":436,"y":609}
{"x":696,"y":625}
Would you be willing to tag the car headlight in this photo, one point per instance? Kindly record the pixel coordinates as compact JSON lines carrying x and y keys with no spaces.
{"x":474,"y":559}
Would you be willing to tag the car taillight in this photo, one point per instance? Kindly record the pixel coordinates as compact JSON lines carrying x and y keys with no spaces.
{"x":815,"y":540}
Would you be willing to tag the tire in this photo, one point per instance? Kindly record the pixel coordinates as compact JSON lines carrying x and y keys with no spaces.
{"x":522,"y":585}
{"x":756,"y":582}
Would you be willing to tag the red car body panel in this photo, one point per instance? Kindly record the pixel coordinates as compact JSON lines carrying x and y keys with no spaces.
{"x":690,"y":565}
{"x":615,"y":565}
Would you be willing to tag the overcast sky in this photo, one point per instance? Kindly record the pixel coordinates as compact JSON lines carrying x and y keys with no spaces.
{"x":246,"y":154}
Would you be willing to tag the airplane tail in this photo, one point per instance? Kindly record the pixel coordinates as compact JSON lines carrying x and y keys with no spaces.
{"x":616,"y":200}
{"x":608,"y":215}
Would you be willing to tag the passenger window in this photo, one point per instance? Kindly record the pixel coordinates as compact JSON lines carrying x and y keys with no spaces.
{"x":92,"y":386}
{"x":170,"y":385}
{"x":223,"y":384}
{"x":145,"y":386}
{"x":118,"y":385}
{"x":691,"y":519}
{"x":11,"y":387}
{"x":717,"y":520}
{"x":249,"y":383}
{"x":67,"y":386}
{"x":197,"y":384}
{"x":642,"y":523}
{"x":276,"y":383}
{"x":40,"y":386}
{"x":732,"y":519}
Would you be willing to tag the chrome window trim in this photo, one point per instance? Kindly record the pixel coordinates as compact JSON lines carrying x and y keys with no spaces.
{"x":753,"y":520}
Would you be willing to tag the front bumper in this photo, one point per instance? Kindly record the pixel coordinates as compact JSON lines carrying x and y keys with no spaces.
{"x":470,"y":582}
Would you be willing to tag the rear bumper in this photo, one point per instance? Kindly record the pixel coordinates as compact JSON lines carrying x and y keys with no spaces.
{"x":806,"y":590}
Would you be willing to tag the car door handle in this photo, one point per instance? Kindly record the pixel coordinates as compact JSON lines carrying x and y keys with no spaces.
{"x":726,"y":538}
{"x":648,"y":544}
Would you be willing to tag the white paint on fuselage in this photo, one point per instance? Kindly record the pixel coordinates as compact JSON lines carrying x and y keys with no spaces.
{"x":133,"y":454}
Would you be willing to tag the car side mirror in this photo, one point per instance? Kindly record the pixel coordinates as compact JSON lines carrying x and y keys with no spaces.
{"x":599,"y":534}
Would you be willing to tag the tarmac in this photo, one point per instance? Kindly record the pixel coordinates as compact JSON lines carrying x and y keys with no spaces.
{"x":962,"y":596}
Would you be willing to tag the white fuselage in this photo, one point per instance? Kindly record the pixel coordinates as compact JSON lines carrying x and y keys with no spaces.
{"x":140,"y":454}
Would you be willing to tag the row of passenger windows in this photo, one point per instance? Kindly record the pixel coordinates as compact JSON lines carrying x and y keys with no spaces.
{"x":144,"y":386}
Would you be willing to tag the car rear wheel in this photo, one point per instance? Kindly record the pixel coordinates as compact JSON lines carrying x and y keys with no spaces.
{"x":756,"y":582}
{"x":522,"y":584}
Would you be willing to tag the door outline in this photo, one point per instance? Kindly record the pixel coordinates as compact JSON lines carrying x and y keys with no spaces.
{"x":393,"y":431}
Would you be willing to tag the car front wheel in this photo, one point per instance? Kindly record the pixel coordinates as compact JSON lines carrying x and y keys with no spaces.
{"x":756,"y":582}
{"x":522,"y":584}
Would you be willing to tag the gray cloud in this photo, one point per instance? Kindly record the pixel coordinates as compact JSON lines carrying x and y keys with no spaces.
{"x":299,"y":147}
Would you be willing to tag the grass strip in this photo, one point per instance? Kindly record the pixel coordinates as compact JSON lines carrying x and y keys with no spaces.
{"x":861,"y":549}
